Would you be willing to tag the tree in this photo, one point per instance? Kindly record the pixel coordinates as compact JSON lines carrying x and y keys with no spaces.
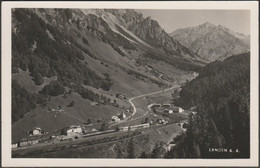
{"x":103,"y":126}
{"x":89,"y":121}
{"x":71,"y":104}
{"x":38,"y":80}
{"x":65,"y":95}
{"x":55,"y":88}
{"x":117,"y":129}
{"x":59,"y":107}
{"x":143,"y":155}
{"x":157,"y":151}
{"x":131,"y":149}
{"x":119,"y":153}
{"x":22,"y":101}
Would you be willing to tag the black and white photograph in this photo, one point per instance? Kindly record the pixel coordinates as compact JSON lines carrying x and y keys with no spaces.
{"x":133,"y":83}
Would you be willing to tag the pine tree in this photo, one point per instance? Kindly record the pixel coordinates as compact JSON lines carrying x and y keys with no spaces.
{"x":156,"y":151}
{"x":104,"y":126}
{"x":143,"y":155}
{"x":131,"y":149}
{"x":119,"y":153}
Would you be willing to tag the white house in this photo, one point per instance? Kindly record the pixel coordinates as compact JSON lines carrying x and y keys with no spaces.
{"x":23,"y":142}
{"x":123,"y":128}
{"x":35,"y":131}
{"x":177,"y":109}
{"x":93,"y":103}
{"x":169,"y":147}
{"x":122,"y":116}
{"x":194,"y":112}
{"x":72,"y":130}
{"x":15,"y":145}
{"x":180,"y":110}
{"x":33,"y":142}
{"x":115,"y":118}
{"x":94,"y":130}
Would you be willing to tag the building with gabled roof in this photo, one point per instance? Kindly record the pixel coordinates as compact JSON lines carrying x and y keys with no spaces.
{"x":35,"y":131}
{"x":122,"y":116}
{"x":72,"y":130}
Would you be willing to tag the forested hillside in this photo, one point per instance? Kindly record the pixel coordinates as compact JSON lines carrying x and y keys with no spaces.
{"x":35,"y":51}
{"x":44,"y":51}
{"x":221,"y":94}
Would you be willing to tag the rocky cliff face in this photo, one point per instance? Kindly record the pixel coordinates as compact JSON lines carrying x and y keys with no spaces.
{"x":151,"y":32}
{"x":125,"y":22}
{"x":212,"y":42}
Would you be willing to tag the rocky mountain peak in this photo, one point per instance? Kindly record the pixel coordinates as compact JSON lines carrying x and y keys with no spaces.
{"x":207,"y":24}
{"x":149,"y":31}
{"x":211,"y":41}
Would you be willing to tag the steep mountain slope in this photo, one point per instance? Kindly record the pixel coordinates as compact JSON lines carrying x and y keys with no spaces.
{"x":221,"y":95}
{"x":85,"y":56}
{"x":152,"y":33}
{"x":212,"y":42}
{"x":120,"y":31}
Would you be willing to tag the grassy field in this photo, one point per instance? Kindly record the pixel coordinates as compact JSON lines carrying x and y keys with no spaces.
{"x":53,"y":121}
{"x":26,"y":81}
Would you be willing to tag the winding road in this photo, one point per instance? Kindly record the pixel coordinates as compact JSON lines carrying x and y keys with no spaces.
{"x":134,"y":107}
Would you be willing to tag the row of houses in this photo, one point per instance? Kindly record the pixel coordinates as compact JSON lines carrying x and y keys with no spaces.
{"x":57,"y":109}
{"x":162,"y":121}
{"x":31,"y":140}
{"x":174,"y":110}
{"x":36,"y":135}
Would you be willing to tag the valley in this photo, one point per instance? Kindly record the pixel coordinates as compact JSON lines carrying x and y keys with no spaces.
{"x":110,"y":83}
{"x":139,"y":113}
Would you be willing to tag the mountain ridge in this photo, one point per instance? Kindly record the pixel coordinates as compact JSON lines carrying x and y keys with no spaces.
{"x":82,"y":50}
{"x":151,"y":32}
{"x":211,"y":41}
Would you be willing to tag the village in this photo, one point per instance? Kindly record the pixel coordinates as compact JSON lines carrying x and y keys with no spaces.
{"x":38,"y":136}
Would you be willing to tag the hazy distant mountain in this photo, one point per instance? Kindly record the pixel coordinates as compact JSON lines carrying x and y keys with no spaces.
{"x":212,"y":42}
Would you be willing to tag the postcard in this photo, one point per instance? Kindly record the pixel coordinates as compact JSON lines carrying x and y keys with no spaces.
{"x":130,"y":83}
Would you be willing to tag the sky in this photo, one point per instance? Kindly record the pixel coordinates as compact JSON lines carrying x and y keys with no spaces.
{"x":170,"y":20}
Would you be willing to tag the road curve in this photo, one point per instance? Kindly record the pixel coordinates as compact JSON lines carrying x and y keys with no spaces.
{"x":134,"y":108}
{"x":148,"y":94}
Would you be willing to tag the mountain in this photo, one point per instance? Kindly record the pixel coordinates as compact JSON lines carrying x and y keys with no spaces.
{"x":84,"y":57}
{"x":212,"y":42}
{"x":151,"y":32}
{"x":221,"y":97}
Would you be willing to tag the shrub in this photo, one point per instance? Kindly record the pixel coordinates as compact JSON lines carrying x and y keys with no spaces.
{"x":71,"y":104}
